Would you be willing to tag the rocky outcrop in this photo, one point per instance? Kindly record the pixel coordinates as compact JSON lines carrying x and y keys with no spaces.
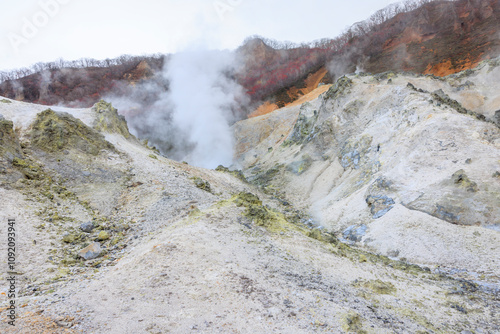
{"x":388,"y":149}
{"x":9,"y":142}
{"x":10,"y":153}
{"x":108,"y":120}
{"x":459,"y":200}
{"x":55,"y":132}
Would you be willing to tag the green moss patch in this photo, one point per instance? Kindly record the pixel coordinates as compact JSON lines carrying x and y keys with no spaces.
{"x":9,"y":143}
{"x":261,"y":215}
{"x":30,"y":169}
{"x":322,"y":236}
{"x":352,"y":323}
{"x":340,"y":88}
{"x":462,"y":180}
{"x":263,"y":179}
{"x":236,"y":173}
{"x":202,"y":184}
{"x":303,"y":129}
{"x":377,"y":286}
{"x":108,"y":119}
{"x":53,"y":132}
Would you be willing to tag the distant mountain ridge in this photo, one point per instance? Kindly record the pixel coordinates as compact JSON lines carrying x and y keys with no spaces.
{"x":426,"y":37}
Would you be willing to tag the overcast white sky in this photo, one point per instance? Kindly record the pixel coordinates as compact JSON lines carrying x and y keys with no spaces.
{"x":45,"y":30}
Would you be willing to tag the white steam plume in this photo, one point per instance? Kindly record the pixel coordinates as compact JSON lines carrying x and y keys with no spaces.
{"x":186,"y":110}
{"x":203,"y":95}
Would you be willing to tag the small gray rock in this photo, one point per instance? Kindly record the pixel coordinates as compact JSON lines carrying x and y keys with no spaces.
{"x":90,"y":252}
{"x":379,"y":205}
{"x":66,"y":324}
{"x":355,"y":232}
{"x":496,"y":118}
{"x":87,"y":227}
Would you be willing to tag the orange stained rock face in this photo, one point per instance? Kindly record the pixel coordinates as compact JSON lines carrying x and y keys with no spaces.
{"x":267,"y":107}
{"x":310,"y":92}
{"x":314,"y":80}
{"x":310,"y":96}
{"x":264,"y":109}
{"x":446,"y":68}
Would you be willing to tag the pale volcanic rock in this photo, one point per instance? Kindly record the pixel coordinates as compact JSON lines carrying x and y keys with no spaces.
{"x":387,"y":150}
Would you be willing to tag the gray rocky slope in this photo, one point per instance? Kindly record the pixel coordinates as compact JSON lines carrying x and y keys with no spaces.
{"x":114,"y":238}
{"x":402,"y":165}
